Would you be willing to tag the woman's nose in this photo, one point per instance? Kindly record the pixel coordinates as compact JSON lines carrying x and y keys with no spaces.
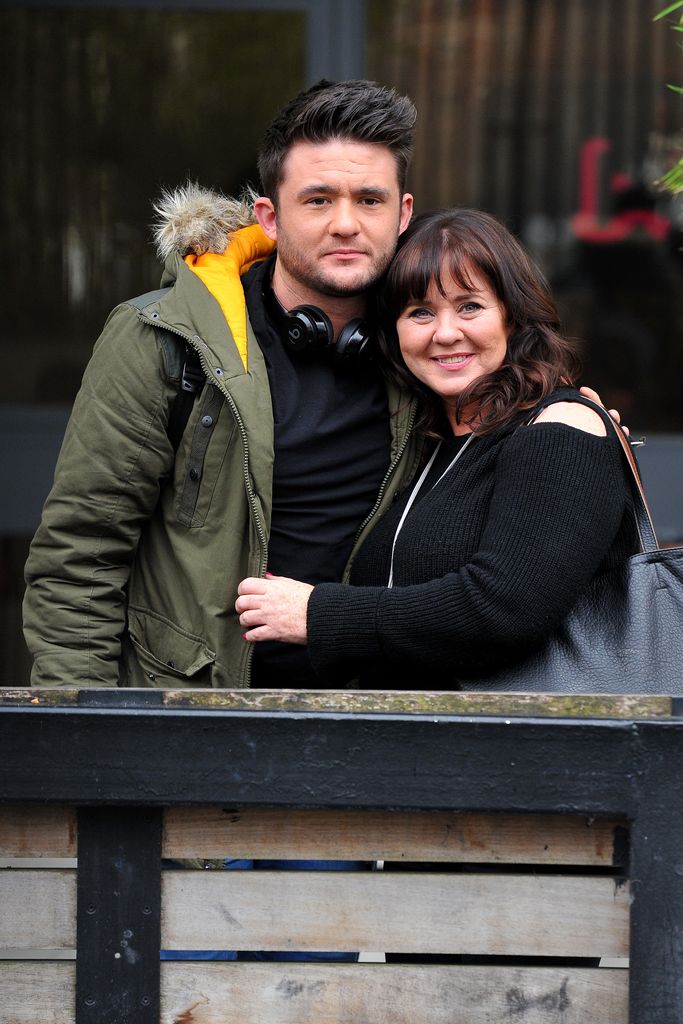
{"x":447,"y":329}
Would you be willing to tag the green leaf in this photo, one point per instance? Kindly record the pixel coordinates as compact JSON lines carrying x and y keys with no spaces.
{"x":668,"y":10}
{"x":675,"y":88}
{"x":672,"y":181}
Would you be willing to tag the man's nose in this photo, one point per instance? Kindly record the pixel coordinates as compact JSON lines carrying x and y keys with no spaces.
{"x":344,"y":219}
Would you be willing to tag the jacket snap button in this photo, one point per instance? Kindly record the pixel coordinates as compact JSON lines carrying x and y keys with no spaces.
{"x":151,"y":675}
{"x":194,"y":474}
{"x":207,"y":421}
{"x":218,"y":371}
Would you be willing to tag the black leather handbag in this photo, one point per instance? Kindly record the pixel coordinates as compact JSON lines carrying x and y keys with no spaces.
{"x":624,"y":634}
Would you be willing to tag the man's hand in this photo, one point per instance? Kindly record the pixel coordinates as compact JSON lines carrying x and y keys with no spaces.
{"x":273,"y":608}
{"x":595,"y":397}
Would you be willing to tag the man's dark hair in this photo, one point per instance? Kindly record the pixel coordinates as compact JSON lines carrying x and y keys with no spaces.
{"x":356,"y":110}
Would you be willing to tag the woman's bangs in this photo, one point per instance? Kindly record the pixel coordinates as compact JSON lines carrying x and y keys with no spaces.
{"x":456,"y":264}
{"x":436,"y":258}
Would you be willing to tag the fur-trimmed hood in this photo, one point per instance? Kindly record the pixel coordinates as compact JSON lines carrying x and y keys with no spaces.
{"x":192,"y":219}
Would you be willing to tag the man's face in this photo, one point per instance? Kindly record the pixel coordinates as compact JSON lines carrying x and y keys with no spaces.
{"x":339,"y":214}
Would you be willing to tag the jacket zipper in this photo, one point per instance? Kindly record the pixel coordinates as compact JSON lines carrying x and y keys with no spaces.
{"x":383,"y":486}
{"x":245,"y":449}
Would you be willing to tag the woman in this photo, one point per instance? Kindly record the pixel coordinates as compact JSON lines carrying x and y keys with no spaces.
{"x":523,"y":499}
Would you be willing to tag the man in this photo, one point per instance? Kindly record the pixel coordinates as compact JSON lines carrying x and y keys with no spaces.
{"x":132,"y":575}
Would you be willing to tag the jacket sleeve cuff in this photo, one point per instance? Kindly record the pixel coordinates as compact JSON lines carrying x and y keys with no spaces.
{"x":330,"y":650}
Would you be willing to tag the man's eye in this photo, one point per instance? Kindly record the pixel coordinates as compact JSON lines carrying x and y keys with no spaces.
{"x":318,"y":201}
{"x":370,"y":201}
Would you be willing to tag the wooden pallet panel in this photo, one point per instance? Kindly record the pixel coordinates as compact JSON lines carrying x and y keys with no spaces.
{"x":523,"y":915}
{"x":338,"y":994}
{"x":27,"y":830}
{"x":38,"y":993}
{"x":38,"y":909}
{"x":216,"y":832}
{"x":389,"y":994}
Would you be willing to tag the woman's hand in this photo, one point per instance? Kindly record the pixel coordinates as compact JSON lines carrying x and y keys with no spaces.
{"x":273,"y":608}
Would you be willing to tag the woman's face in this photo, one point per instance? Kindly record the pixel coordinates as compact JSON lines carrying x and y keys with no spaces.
{"x":449,"y":341}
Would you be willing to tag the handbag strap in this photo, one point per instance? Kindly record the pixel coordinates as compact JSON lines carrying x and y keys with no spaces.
{"x":641,"y":509}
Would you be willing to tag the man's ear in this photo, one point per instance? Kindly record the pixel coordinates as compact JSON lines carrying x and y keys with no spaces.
{"x":264,"y":211}
{"x":406,"y":212}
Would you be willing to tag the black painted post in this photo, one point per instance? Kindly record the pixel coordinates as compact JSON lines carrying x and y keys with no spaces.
{"x":656,"y":871}
{"x":118,"y":915}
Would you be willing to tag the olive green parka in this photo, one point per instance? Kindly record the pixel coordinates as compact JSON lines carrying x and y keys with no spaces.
{"x":133,"y":572}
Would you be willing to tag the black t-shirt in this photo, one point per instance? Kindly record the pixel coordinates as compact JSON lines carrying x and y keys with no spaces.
{"x":332,"y":445}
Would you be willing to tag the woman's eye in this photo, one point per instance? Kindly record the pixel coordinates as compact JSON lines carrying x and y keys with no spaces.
{"x":470,"y":307}
{"x":420,"y":313}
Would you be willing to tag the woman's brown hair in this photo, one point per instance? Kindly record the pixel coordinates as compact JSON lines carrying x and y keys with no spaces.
{"x":458,"y":243}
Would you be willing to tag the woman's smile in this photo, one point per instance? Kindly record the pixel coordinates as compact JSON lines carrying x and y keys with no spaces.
{"x":455,"y":361}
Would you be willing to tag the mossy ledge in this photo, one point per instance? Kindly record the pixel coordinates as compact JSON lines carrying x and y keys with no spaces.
{"x":368,"y":702}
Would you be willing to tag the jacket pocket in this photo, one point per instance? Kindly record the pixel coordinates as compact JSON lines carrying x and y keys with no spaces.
{"x":166,"y":654}
{"x":203,"y":456}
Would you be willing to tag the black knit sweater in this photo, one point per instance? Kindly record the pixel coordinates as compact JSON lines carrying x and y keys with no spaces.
{"x":487,"y":563}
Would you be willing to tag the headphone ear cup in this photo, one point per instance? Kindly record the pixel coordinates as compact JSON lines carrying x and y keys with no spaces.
{"x":353,"y":342}
{"x":307,"y":326}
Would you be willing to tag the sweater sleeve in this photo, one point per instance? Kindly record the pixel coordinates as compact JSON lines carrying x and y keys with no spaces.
{"x":558,"y":499}
{"x":114,"y":456}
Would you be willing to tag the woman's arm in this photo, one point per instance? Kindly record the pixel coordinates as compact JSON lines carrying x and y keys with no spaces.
{"x":557,"y":504}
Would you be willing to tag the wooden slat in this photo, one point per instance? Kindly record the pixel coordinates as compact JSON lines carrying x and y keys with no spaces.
{"x":317,"y":994}
{"x":27,"y":830}
{"x":382,"y":702}
{"x":38,"y":993}
{"x":38,"y":909}
{"x":215,"y":832}
{"x":544,"y":915}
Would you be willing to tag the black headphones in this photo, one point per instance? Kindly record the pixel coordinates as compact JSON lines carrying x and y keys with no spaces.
{"x":307,"y":329}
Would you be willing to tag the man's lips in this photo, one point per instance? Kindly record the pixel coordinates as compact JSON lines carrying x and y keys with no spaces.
{"x":346,"y":254}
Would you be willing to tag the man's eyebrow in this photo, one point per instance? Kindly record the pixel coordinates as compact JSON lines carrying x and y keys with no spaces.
{"x":329,"y":190}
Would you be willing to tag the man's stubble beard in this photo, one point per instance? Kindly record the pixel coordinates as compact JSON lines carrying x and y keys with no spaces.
{"x":306,"y":272}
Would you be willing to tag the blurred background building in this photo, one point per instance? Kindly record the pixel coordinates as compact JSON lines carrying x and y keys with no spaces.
{"x":552,"y":114}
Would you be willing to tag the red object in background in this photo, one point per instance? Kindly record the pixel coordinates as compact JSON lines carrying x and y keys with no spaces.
{"x":586,"y":222}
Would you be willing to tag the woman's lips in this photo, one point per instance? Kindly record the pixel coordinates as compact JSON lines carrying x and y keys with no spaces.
{"x":455,"y":361}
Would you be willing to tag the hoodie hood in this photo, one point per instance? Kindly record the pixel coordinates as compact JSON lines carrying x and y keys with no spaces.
{"x":219,"y":239}
{"x":192,"y":220}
